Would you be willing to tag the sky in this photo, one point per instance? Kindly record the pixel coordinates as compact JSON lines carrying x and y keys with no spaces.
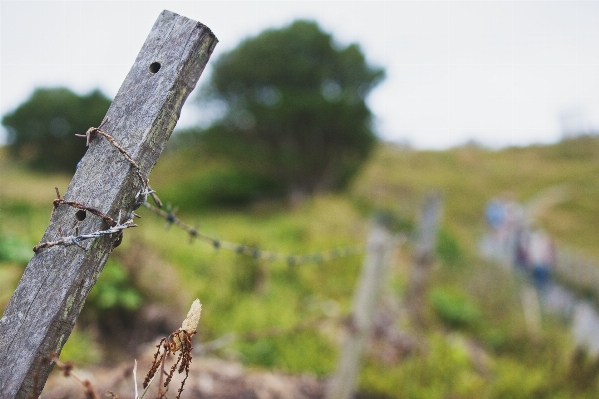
{"x":499,"y":73}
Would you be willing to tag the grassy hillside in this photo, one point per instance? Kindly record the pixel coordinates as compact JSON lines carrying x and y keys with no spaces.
{"x":474,"y":342}
{"x":470,"y":176}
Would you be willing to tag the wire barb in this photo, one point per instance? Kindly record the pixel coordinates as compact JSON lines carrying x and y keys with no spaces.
{"x":76,"y":240}
{"x":170,"y":219}
{"x":93,"y":132}
{"x":79,"y":205}
{"x":256,"y":253}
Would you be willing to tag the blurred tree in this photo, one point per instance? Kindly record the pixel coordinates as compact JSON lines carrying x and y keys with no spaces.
{"x":293,"y":108}
{"x":40,"y":131}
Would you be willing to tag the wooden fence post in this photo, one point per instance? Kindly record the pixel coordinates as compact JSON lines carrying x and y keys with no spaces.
{"x":424,"y":256}
{"x":374,"y":272}
{"x":42,"y":311}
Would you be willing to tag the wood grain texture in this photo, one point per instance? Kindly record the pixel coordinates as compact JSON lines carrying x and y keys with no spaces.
{"x":42,"y":311}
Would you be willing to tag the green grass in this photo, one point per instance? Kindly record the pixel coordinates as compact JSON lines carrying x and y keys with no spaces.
{"x":470,"y":176}
{"x":474,"y":345}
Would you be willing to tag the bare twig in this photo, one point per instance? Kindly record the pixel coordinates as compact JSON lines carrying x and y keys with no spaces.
{"x":135,"y":379}
{"x":67,"y":371}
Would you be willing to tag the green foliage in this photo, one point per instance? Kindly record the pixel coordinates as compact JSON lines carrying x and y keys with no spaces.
{"x":249,"y":276}
{"x":490,"y":356}
{"x":448,"y":249}
{"x":454,"y":308}
{"x":317,"y":354}
{"x":225,"y":185}
{"x":9,"y":277}
{"x":113,"y":290}
{"x":81,"y":348}
{"x":261,"y":353}
{"x":579,"y":148}
{"x":41,"y":129}
{"x":444,"y":371}
{"x":516,"y":380}
{"x":294,"y":108}
{"x":14,"y":249}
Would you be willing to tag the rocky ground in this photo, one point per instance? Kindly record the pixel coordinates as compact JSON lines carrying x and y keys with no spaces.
{"x":208,"y":378}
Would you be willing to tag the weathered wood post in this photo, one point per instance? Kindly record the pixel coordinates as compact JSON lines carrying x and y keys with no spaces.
{"x":374,"y":273}
{"x":42,"y":311}
{"x":424,"y":256}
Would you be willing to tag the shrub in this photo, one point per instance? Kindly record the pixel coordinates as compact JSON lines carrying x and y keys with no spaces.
{"x":454,"y":308}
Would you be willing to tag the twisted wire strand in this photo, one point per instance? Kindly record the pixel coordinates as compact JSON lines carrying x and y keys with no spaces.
{"x":169,"y":216}
{"x":61,"y":201}
{"x":115,"y":226}
{"x":76,"y":240}
{"x":256,"y":253}
{"x":93,"y":132}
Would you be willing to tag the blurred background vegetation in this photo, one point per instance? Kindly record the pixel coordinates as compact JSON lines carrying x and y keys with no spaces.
{"x":294,"y":129}
{"x":40,"y":131}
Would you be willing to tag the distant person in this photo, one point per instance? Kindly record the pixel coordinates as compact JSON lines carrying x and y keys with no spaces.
{"x":521,"y":258}
{"x":505,"y":217}
{"x":495,"y":213}
{"x":513,"y":224}
{"x":541,"y":253}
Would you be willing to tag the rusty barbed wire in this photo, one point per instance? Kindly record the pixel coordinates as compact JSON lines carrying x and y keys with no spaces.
{"x":78,"y":205}
{"x":256,"y":253}
{"x":170,"y":219}
{"x":93,"y":132}
{"x":76,"y":240}
{"x":116,"y":227}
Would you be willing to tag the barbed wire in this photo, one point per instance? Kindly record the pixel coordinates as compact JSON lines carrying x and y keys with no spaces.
{"x":78,"y":205}
{"x":170,"y":218}
{"x":76,"y":240}
{"x":141,"y":196}
{"x":116,"y":227}
{"x":256,"y":253}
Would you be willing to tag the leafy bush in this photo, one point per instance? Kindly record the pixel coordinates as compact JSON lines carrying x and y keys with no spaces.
{"x":445,"y":370}
{"x":294,"y":108}
{"x":261,"y":353}
{"x":14,"y":249}
{"x":81,"y":348}
{"x":113,"y":290}
{"x":454,"y":308}
{"x":221,"y":186}
{"x":40,"y":131}
{"x":448,"y":249}
{"x":317,"y":354}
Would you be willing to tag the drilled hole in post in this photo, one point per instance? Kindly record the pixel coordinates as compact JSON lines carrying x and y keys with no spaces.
{"x":155,"y":67}
{"x":80,"y":215}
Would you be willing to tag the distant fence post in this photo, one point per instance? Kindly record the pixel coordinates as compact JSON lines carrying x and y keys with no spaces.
{"x":426,"y":242}
{"x":374,"y":272}
{"x":42,"y":311}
